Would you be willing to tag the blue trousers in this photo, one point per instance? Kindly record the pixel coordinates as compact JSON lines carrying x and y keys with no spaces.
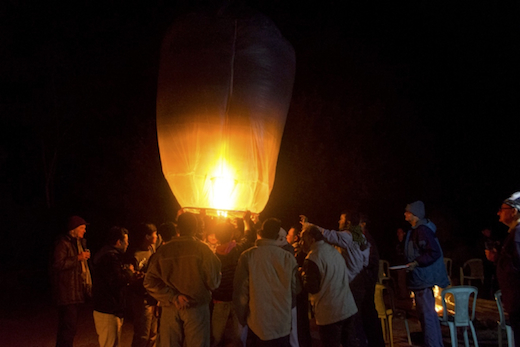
{"x":425,"y":301}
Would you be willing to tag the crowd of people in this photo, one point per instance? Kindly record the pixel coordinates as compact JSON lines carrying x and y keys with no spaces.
{"x":219,"y":282}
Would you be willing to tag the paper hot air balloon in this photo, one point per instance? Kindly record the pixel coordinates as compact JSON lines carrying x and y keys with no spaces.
{"x":224,"y":88}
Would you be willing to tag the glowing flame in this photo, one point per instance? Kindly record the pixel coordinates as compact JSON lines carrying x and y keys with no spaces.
{"x":221,"y":186}
{"x":222,"y":214}
{"x":438,"y":299}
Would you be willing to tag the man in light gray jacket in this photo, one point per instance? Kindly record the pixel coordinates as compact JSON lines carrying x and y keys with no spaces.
{"x":325,"y":277}
{"x":265,"y":282}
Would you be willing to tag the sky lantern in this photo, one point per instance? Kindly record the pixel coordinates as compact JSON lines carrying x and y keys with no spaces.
{"x":224,"y":88}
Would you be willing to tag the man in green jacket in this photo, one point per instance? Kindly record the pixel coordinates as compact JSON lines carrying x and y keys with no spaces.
{"x":181,"y":276}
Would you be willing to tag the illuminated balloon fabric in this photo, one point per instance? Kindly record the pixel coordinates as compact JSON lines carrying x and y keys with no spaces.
{"x":224,"y":88}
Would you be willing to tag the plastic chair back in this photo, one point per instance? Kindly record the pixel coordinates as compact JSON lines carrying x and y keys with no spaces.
{"x":501,"y":314}
{"x":461,"y":296}
{"x":503,"y":324}
{"x":379,"y":300}
{"x":476,"y":271}
{"x":384,"y":270}
{"x":385,"y":314}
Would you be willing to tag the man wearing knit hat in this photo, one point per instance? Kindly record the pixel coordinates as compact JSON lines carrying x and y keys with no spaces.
{"x":508,"y":264}
{"x":425,"y":270}
{"x":70,"y":278}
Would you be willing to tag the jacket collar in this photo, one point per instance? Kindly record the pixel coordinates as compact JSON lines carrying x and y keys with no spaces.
{"x":266,"y":242}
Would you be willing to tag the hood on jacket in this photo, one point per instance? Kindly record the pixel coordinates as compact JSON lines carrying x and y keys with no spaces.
{"x":426,"y":222}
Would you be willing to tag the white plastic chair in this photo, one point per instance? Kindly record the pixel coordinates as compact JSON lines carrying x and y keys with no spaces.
{"x":386,"y":314}
{"x":384,"y":273}
{"x":476,"y":271}
{"x":462,"y":317}
{"x":503,"y":324}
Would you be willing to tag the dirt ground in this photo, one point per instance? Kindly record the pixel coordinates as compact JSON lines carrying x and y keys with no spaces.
{"x":28,"y":319}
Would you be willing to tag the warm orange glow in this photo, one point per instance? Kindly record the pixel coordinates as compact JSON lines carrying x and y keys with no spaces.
{"x":239,"y":176}
{"x":438,"y":299}
{"x":221,"y":185}
{"x":224,"y":89}
{"x":222,"y":214}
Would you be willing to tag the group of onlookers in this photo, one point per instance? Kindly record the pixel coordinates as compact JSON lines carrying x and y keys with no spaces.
{"x":251,"y":284}
{"x":115,"y":286}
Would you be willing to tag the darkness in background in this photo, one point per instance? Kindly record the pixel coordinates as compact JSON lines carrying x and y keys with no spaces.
{"x":392,"y":103}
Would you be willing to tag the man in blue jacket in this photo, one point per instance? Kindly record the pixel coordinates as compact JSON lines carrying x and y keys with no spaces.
{"x":425,"y":270}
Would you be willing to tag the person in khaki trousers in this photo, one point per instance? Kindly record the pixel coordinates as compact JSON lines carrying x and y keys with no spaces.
{"x":111,"y":278}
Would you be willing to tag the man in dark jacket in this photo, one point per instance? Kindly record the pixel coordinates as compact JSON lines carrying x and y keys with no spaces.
{"x":110,"y":280}
{"x":508,"y":264}
{"x":426,"y":269}
{"x":143,"y":305}
{"x":228,"y":252}
{"x":70,"y":278}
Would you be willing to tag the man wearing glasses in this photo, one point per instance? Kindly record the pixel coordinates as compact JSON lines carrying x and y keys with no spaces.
{"x":508,"y":262}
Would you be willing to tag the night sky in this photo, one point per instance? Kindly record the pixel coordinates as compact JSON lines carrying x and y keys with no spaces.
{"x":392,"y":103}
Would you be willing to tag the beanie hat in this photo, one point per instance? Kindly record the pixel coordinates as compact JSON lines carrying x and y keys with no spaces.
{"x":416,"y":208}
{"x":513,"y":201}
{"x":74,"y":222}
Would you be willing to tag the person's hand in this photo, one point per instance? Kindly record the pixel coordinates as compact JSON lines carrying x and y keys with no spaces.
{"x":129,"y":267}
{"x":303,"y":219}
{"x":83,"y":256}
{"x":182,"y":302}
{"x":412,"y":266}
{"x":247,"y":216}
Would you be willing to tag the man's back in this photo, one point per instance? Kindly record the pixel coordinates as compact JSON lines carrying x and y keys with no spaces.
{"x":265,"y":281}
{"x":334,"y":301}
{"x":186,"y":266}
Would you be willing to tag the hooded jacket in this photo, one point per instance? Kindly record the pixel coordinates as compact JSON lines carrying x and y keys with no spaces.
{"x":422,"y":245}
{"x":264,"y":284}
{"x":328,"y":284}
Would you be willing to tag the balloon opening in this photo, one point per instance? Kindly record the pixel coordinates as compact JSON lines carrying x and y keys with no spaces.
{"x":217,"y":213}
